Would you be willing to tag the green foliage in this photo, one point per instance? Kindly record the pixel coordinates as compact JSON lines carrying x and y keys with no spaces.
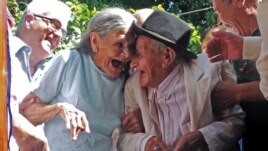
{"x":83,"y":10}
{"x":78,"y":22}
{"x":16,"y":8}
{"x":195,"y":43}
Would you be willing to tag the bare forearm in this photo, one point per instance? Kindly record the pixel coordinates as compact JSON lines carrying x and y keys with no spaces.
{"x":39,"y":113}
{"x":36,"y":111}
{"x":23,"y":129}
{"x":27,"y":136}
{"x":20,"y":126}
{"x":249,"y":92}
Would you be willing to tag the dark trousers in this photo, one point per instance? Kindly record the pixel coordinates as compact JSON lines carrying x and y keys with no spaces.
{"x":255,"y":136}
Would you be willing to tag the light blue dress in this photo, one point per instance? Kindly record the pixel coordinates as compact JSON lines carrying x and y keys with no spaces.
{"x":74,"y":78}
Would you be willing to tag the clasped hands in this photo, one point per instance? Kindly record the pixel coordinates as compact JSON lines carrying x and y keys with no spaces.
{"x":192,"y":141}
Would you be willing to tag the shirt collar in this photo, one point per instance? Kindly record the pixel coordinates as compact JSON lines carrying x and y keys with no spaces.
{"x":166,"y":87}
{"x":18,"y":45}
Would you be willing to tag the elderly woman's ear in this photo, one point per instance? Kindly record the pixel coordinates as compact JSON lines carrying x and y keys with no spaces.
{"x":94,"y":41}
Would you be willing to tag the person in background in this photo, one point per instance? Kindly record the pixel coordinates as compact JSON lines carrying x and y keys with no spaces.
{"x":91,"y":78}
{"x":207,"y":35}
{"x":242,"y":16}
{"x":172,"y":88}
{"x":39,"y":32}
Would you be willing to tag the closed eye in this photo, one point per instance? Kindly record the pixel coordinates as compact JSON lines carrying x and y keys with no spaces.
{"x":119,"y":45}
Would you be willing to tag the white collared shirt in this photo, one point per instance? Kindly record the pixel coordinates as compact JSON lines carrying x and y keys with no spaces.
{"x":172,"y":109}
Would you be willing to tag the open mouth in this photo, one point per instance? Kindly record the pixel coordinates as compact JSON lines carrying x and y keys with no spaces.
{"x":118,"y":64}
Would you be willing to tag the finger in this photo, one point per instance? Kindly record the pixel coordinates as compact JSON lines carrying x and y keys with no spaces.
{"x":67,"y":120}
{"x":79,"y":121}
{"x":211,"y":47}
{"x":220,"y":34}
{"x":216,"y":58}
{"x":85,"y":123}
{"x":46,"y":147}
{"x":24,"y":105}
{"x":126,"y":120}
{"x":131,"y":129}
{"x":73,"y":128}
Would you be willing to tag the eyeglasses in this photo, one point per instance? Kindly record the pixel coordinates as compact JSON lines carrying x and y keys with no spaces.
{"x":55,"y":24}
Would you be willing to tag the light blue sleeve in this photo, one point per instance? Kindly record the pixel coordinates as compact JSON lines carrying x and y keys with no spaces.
{"x":47,"y":83}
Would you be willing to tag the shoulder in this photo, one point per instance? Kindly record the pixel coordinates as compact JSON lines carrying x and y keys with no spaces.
{"x":66,"y":56}
{"x":16,"y":44}
{"x":133,"y":81}
{"x":202,"y":62}
{"x":133,"y":78}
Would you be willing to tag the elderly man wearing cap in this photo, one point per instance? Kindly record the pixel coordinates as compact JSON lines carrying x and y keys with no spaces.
{"x":172,"y":88}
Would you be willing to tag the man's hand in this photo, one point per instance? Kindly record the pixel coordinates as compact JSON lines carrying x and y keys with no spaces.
{"x":155,"y":143}
{"x":132,"y":122}
{"x":75,"y":119}
{"x":192,"y":141}
{"x":224,"y":46}
{"x":28,"y":137}
{"x":37,"y":112}
{"x":32,"y":143}
{"x":224,"y":95}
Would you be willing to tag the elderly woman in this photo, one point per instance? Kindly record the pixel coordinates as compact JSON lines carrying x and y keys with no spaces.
{"x":88,"y":78}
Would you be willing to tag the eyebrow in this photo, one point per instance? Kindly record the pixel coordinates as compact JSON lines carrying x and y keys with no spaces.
{"x":41,"y":16}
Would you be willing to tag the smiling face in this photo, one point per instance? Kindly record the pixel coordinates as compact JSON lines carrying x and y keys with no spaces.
{"x":149,"y":62}
{"x":39,"y":33}
{"x":111,"y":51}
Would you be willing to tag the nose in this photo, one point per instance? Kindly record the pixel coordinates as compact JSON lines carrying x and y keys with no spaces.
{"x":59,"y":33}
{"x":125,"y":53}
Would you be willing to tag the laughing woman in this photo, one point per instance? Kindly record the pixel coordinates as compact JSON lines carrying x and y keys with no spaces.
{"x":84,"y":86}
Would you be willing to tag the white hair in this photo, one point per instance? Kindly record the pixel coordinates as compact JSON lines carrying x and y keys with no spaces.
{"x":53,"y":8}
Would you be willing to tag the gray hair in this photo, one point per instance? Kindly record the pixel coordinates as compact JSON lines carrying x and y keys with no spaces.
{"x":104,"y":21}
{"x":55,"y":8}
{"x":157,"y":46}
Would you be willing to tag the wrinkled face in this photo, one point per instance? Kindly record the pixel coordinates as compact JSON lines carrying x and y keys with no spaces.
{"x":148,"y":62}
{"x":44,"y":33}
{"x":225,"y":11}
{"x":111,"y":52}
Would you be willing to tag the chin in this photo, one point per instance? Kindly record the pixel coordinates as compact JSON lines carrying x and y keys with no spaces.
{"x":143,"y":83}
{"x":114,"y":75}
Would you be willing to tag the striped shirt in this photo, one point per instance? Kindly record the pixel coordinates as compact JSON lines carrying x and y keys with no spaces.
{"x":172,"y":110}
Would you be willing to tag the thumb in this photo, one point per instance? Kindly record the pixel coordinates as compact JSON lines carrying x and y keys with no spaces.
{"x":25,"y":104}
{"x":220,"y":34}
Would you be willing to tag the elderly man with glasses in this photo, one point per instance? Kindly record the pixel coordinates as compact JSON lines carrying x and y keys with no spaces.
{"x":40,"y":30}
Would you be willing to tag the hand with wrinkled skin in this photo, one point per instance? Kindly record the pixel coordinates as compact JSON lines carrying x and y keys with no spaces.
{"x":37,"y":112}
{"x":193,"y":141}
{"x":27,"y":135}
{"x":223,"y":95}
{"x":32,"y":143}
{"x":224,"y":46}
{"x":132,"y":122}
{"x":155,"y":141}
{"x":75,"y":119}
